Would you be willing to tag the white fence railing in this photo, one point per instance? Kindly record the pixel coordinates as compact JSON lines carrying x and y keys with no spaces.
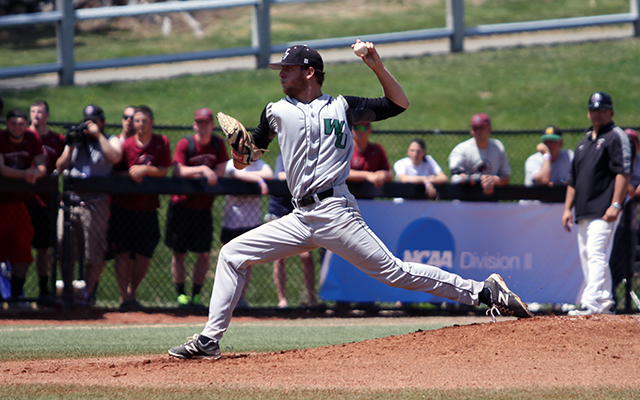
{"x":261,"y":47}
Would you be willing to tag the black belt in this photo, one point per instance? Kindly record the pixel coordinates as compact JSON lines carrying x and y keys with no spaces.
{"x":307,"y":201}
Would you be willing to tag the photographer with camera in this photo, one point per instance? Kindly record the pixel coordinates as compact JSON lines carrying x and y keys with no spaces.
{"x":480,"y":160}
{"x":89,"y":152}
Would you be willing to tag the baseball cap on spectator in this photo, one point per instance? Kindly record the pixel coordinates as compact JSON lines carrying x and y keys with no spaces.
{"x":552,"y":133}
{"x":93,"y":112}
{"x":203,"y":114}
{"x":300,"y":55}
{"x":16,"y":113}
{"x":600,"y":101}
{"x":480,"y":119}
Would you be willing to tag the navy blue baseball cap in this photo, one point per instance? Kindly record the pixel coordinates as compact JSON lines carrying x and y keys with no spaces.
{"x":300,"y":55}
{"x":93,"y":112}
{"x":600,"y":101}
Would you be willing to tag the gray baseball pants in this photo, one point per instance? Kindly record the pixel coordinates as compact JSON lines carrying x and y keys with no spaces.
{"x":334,"y":224}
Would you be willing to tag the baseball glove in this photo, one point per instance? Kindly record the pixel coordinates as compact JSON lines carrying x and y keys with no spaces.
{"x":243,"y":148}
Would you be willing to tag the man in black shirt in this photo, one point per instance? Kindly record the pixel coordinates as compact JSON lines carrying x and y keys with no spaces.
{"x":596,"y":187}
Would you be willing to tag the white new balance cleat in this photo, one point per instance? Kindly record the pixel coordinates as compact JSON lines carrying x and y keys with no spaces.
{"x":504,"y":301}
{"x":195,"y":349}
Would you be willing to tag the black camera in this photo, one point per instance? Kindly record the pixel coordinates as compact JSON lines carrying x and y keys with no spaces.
{"x":76,"y":136}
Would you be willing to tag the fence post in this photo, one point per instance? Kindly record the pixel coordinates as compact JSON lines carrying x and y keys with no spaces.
{"x":64,"y":39}
{"x":261,"y":32}
{"x":634,"y":8}
{"x":455,"y":21}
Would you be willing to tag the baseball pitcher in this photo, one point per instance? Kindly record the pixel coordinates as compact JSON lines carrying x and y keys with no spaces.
{"x":314,"y":133}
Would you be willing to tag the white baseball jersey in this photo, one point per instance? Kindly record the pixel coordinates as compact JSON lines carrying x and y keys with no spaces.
{"x":318,"y":143}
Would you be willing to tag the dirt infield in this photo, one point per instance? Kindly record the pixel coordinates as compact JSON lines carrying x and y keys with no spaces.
{"x":549,"y":351}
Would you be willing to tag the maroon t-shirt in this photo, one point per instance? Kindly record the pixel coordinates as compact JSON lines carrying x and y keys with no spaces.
{"x":53,"y":146}
{"x":19,"y":156}
{"x":210,"y":155}
{"x":156,"y":153}
{"x":372,"y":159}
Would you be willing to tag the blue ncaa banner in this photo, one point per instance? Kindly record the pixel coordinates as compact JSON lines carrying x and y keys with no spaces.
{"x":524,"y":242}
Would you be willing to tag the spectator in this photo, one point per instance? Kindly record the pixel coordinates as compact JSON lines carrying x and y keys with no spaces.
{"x":551,"y":164}
{"x":189,"y":221}
{"x":21,"y":157}
{"x":127,"y":124}
{"x":243,"y":213}
{"x":133,"y":226}
{"x":279,"y":207}
{"x":42,"y":206}
{"x":480,"y":160}
{"x":419,"y":167}
{"x":623,"y":253}
{"x":89,"y":212}
{"x":597,"y":185}
{"x":127,"y":131}
{"x":369,"y":161}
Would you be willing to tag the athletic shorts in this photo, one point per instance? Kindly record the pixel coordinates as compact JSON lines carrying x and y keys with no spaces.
{"x":43,"y":220}
{"x":188,"y":229}
{"x":228,"y":234}
{"x":133,"y":231}
{"x":16,"y":233}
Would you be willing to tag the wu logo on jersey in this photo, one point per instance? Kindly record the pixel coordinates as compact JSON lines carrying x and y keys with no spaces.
{"x":336,"y":126}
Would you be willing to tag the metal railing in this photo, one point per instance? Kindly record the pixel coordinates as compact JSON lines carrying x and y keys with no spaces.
{"x":455,"y":30}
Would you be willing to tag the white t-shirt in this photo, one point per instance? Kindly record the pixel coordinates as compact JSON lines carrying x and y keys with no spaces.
{"x":426,"y":167}
{"x":467,"y":158}
{"x":560,"y":168}
{"x":242,"y":211}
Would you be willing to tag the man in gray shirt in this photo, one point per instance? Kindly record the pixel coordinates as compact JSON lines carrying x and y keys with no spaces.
{"x":480,"y":160}
{"x":93,"y":154}
{"x":551,"y":164}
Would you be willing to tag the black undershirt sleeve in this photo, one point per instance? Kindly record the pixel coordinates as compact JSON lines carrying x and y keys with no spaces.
{"x":365,"y":109}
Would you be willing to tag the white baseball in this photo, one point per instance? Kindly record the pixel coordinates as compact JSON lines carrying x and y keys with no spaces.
{"x":360,"y":49}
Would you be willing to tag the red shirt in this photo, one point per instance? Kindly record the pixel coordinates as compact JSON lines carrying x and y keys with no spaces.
{"x":157,"y":153}
{"x":209,"y":155}
{"x":372,"y":159}
{"x":19,"y":156}
{"x":53,"y":146}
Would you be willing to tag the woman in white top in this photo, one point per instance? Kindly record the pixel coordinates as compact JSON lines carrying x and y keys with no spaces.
{"x":418,"y":167}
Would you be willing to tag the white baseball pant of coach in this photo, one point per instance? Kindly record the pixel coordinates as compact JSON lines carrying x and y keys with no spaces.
{"x":595,"y":242}
{"x":335,"y":224}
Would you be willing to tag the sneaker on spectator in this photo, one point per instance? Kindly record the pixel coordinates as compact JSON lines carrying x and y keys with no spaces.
{"x":48,"y":301}
{"x":131,"y":305}
{"x":183,"y":300}
{"x":197,"y":301}
{"x":19,"y":304}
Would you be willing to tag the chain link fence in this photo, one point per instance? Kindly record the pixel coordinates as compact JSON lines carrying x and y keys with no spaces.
{"x":157,"y":288}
